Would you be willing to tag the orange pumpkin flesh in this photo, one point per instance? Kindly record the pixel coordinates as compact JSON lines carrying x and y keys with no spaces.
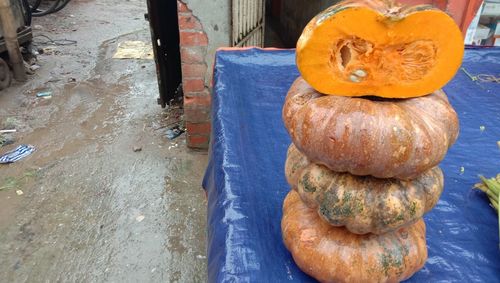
{"x":373,"y":48}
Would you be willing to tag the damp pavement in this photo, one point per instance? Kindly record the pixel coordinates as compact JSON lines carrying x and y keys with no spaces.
{"x":106,"y":197}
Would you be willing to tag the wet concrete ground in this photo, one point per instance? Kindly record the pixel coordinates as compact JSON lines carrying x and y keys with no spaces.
{"x":92,"y":209}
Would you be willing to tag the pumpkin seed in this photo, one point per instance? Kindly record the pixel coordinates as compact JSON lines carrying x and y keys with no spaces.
{"x":354,"y":79}
{"x":360,"y":73}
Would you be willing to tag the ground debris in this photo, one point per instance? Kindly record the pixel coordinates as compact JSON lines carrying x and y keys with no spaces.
{"x":44,"y":94}
{"x":18,"y":153}
{"x":134,"y":50}
{"x":6,"y":140}
{"x":34,"y":67}
{"x":174,"y":132}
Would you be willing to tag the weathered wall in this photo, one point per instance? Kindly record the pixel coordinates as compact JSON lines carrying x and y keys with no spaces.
{"x":204,"y":26}
{"x":215,"y":17}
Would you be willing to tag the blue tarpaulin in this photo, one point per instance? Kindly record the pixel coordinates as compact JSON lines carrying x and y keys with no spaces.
{"x":246,"y":186}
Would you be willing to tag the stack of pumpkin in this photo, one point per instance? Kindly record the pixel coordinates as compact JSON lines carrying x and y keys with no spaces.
{"x":369,"y":125}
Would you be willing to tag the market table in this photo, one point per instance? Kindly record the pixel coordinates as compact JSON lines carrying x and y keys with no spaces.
{"x":246,"y":186}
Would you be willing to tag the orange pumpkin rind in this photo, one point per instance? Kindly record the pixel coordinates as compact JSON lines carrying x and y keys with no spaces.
{"x":333,"y":254}
{"x":384,"y":138}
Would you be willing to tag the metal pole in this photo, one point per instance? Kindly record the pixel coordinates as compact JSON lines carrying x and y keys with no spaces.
{"x":10,"y":36}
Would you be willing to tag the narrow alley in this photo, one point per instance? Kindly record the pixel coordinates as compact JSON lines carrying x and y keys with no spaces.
{"x":106,"y":196}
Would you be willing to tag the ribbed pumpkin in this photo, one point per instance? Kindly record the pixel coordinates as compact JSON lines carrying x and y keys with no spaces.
{"x":385,"y":138}
{"x":377,"y":47}
{"x":333,"y":254}
{"x":363,"y":204}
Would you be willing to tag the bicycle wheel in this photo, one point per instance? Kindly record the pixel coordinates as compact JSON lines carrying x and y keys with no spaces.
{"x":61,"y":5}
{"x":34,"y":4}
{"x":26,"y":10}
{"x":46,"y":7}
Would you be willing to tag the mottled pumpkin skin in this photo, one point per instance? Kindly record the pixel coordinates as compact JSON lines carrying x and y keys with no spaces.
{"x":294,"y":165}
{"x":363,"y":204}
{"x":384,"y":138}
{"x":333,"y":254}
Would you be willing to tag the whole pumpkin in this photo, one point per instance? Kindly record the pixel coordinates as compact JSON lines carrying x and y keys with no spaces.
{"x":333,"y":254}
{"x":363,"y":204}
{"x":385,"y":138}
{"x":378,"y":47}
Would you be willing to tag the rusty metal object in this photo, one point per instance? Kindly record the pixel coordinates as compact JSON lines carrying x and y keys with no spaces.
{"x":10,"y":35}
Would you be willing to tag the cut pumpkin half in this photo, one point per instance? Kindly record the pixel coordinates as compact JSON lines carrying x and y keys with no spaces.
{"x":358,"y":48}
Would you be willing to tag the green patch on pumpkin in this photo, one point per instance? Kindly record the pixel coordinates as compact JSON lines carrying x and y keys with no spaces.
{"x":398,"y":218}
{"x":296,"y":166}
{"x":413,"y":209}
{"x":334,"y":208}
{"x":308,"y":187}
{"x":391,"y":259}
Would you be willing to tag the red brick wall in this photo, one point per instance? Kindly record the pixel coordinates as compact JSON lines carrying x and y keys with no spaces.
{"x":194,"y":43}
